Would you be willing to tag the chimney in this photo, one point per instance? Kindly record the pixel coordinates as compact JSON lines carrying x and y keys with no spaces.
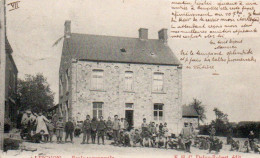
{"x":67,"y":29}
{"x":143,"y":33}
{"x":163,"y":35}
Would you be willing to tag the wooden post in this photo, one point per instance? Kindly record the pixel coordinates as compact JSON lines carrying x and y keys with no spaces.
{"x":2,"y":70}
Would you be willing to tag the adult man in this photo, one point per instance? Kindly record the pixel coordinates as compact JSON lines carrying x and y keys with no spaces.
{"x":186,"y":134}
{"x":116,"y":128}
{"x":28,"y":122}
{"x":86,"y":128}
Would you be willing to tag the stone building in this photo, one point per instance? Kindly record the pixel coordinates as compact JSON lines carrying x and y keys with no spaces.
{"x":134,"y":78}
{"x":11,"y":72}
{"x":190,"y":115}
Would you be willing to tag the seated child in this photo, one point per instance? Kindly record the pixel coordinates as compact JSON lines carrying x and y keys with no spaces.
{"x":215,"y":144}
{"x":234,"y":145}
{"x":137,"y":138}
{"x":37,"y":138}
{"x":245,"y":147}
{"x":153,"y":139}
{"x":127,"y":140}
{"x":160,"y":142}
{"x":77,"y":130}
{"x":172,"y":142}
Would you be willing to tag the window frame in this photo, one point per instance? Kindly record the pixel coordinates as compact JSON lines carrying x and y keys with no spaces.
{"x":94,"y":83}
{"x":97,"y":109}
{"x":127,"y":78}
{"x":157,"y":118}
{"x":156,"y":90}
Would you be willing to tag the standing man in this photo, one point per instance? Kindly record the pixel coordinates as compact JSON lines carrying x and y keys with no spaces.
{"x":86,"y":129}
{"x":28,"y":121}
{"x":116,"y":128}
{"x":186,"y":134}
{"x":69,"y":129}
{"x":101,"y":128}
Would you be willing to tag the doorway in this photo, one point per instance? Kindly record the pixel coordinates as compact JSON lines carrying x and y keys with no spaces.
{"x":129,"y":116}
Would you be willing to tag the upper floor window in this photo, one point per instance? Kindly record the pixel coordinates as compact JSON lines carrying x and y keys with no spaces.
{"x":158,"y":82}
{"x":158,"y":112}
{"x":129,"y":81}
{"x":97,"y":79}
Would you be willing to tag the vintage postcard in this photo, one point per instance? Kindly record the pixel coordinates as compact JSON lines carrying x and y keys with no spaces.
{"x":129,"y":78}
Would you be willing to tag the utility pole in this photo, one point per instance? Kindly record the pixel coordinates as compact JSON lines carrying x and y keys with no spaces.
{"x":2,"y":70}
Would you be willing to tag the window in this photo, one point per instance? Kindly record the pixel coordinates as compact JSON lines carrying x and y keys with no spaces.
{"x":158,"y":112}
{"x":128,"y":80}
{"x":158,"y":82}
{"x":129,"y":105}
{"x":97,"y":109}
{"x":97,"y":79}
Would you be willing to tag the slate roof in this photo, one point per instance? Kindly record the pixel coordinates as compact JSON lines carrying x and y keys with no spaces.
{"x":189,"y":111}
{"x":108,"y":49}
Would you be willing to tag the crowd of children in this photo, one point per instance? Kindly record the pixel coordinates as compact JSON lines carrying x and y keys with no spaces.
{"x":149,"y":135}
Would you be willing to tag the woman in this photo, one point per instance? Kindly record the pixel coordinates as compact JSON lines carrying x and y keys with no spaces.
{"x":41,"y":125}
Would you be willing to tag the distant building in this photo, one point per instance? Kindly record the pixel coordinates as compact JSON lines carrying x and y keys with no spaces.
{"x":190,"y":115}
{"x":134,"y":78}
{"x":11,"y":107}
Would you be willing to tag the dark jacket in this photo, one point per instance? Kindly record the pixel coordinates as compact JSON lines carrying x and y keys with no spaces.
{"x":94,"y":124}
{"x":86,"y":125}
{"x":69,"y":126}
{"x":101,"y":125}
{"x":109,"y":124}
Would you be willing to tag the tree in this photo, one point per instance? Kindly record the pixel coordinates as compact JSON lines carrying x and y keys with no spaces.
{"x":199,"y":108}
{"x":221,"y":123}
{"x":34,"y":93}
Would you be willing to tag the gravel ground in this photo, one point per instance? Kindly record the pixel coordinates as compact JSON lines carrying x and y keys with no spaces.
{"x":77,"y":150}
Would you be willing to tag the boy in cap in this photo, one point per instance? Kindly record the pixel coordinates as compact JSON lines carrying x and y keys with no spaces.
{"x":59,"y":129}
{"x":69,"y":129}
{"x":86,"y":129}
{"x":101,"y":128}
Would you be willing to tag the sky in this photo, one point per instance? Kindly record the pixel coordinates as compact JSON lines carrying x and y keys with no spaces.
{"x":37,"y":24}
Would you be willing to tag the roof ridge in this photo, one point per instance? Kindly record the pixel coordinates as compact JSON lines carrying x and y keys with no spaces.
{"x":113,"y":36}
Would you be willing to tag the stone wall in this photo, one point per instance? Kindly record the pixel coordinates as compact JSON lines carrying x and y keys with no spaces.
{"x":114,"y":95}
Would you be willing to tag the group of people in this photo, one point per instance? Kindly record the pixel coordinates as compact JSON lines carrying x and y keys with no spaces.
{"x":37,"y":128}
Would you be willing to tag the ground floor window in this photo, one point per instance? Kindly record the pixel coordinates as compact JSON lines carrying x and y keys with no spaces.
{"x":97,"y":109}
{"x":158,"y":111}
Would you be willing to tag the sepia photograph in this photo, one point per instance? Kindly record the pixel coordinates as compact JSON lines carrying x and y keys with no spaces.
{"x":129,"y":78}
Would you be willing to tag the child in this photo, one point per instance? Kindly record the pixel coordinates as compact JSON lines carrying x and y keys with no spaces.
{"x":172,"y":142}
{"x":127,"y":140}
{"x":137,"y":138}
{"x":245,"y":147}
{"x":215,"y":144}
{"x":69,"y":129}
{"x":59,"y":130}
{"x":160,"y":142}
{"x":101,"y":128}
{"x":93,"y":125}
{"x":109,"y":132}
{"x":51,"y":130}
{"x":37,"y":138}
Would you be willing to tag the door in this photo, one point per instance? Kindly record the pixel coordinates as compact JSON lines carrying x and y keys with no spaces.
{"x":129,"y":116}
